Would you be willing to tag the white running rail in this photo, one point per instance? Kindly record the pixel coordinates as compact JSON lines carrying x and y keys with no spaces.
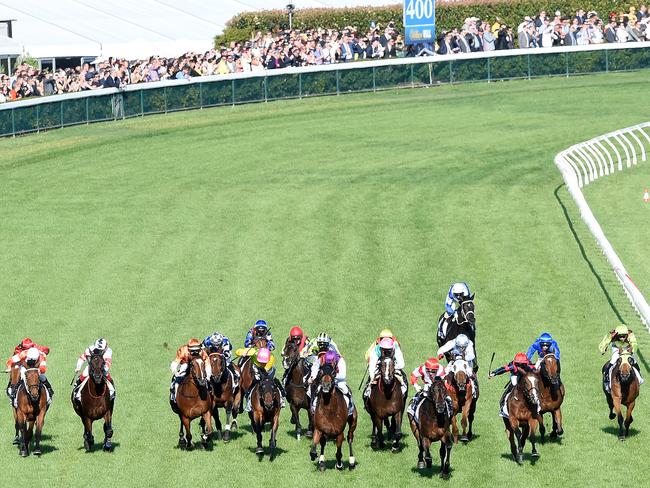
{"x":587,"y":161}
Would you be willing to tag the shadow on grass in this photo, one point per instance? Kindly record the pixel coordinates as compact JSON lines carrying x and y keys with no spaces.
{"x":432,"y":472}
{"x":265,"y":457}
{"x":613,"y":430}
{"x":584,"y":254}
{"x":528,"y":458}
{"x":98,"y":447}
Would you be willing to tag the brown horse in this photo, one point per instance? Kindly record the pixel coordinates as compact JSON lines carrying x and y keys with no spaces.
{"x":95,"y":403}
{"x":462,"y":395}
{"x":522,"y":415}
{"x":551,"y":392}
{"x":193,"y":400}
{"x":295,"y":370}
{"x":265,"y":407}
{"x":224,"y":393}
{"x":433,"y":424}
{"x":330,"y":418}
{"x":624,"y":390}
{"x":32,"y":407}
{"x":386,"y":403}
{"x":247,"y":374}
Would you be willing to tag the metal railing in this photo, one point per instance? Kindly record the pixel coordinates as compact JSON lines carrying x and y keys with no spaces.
{"x":587,"y":161}
{"x":44,"y":113}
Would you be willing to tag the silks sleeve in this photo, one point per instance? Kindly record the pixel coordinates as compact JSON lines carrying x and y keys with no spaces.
{"x":602,"y":347}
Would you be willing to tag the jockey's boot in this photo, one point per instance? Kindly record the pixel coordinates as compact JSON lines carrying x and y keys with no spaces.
{"x":606,"y":377}
{"x":47,"y":385}
{"x":350,"y":402}
{"x":509,"y":387}
{"x":283,"y":393}
{"x":638,"y":372}
{"x":111,"y":388}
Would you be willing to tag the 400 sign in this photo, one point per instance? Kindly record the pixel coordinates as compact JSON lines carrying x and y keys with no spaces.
{"x":419,"y":21}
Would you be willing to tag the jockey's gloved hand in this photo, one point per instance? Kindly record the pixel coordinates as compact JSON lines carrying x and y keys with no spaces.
{"x":417,"y":387}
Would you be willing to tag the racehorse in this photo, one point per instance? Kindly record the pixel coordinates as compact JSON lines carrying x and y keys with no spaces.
{"x":95,"y":403}
{"x":295,"y":370}
{"x":432,"y":423}
{"x":462,"y":322}
{"x":265,"y":407}
{"x":14,"y":379}
{"x":223,"y":393}
{"x":624,"y":390}
{"x":462,"y":395}
{"x":31,"y":399}
{"x":247,"y":375}
{"x":193,"y":400}
{"x":330,"y":419}
{"x":386,"y":403}
{"x":551,"y":392}
{"x":522,"y":415}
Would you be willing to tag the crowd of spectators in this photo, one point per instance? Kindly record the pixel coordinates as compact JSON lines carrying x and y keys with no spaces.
{"x":281,"y":49}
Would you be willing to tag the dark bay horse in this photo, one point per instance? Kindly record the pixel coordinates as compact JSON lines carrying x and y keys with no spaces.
{"x":223,"y":392}
{"x":462,"y":395}
{"x":523,"y":418}
{"x":330,"y":419}
{"x":265,"y":408}
{"x":295,"y":370}
{"x":624,"y":391}
{"x":386,"y":403}
{"x":32,"y":407}
{"x":193,"y":400}
{"x":247,"y":374}
{"x":433,"y":424}
{"x":95,"y":403}
{"x":462,"y":322}
{"x":551,"y":392}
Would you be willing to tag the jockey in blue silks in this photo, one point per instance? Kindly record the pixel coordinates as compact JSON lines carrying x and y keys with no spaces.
{"x":543,"y":345}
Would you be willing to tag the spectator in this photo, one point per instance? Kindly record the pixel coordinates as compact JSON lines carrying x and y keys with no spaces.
{"x":488,"y":38}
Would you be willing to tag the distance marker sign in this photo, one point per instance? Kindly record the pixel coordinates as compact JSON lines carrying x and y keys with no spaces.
{"x":419,"y":21}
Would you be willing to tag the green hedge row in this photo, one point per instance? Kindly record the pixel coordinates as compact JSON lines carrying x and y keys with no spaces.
{"x":449,"y":15}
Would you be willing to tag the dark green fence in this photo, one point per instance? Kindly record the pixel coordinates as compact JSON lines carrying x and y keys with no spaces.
{"x":143,"y":100}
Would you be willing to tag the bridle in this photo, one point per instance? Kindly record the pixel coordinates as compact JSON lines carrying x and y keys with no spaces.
{"x":437,"y":394}
{"x":467,"y":316}
{"x":97,"y":373}
{"x":624,"y":377}
{"x":222,"y":365}
{"x":458,"y":366}
{"x":29,"y":388}
{"x":555,"y":378}
{"x":531,"y":393}
{"x":267,"y":393}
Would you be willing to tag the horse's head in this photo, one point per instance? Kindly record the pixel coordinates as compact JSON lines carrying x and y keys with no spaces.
{"x":625,"y":362}
{"x":550,"y":369}
{"x":387,"y":370}
{"x":267,"y":393}
{"x":96,"y":368}
{"x":290,"y":352}
{"x":217,"y":365}
{"x":459,"y":369}
{"x":260,"y":342}
{"x":438,"y":396}
{"x":466,"y":312}
{"x":527,"y":383}
{"x":197,"y":371}
{"x":327,"y":377}
{"x":32,"y":380}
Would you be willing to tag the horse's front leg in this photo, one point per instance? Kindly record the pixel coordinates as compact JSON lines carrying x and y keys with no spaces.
{"x":188,"y":433}
{"x":321,"y":459}
{"x":314,"y":443}
{"x":17,"y":426}
{"x":258,"y":427}
{"x":339,"y":452}
{"x":40,"y":420}
{"x":533,"y":431}
{"x":512,"y":425}
{"x":89,"y":440}
{"x":619,"y":417}
{"x":542,"y":427}
{"x":206,"y":435}
{"x":226,"y":433}
{"x":454,"y":428}
{"x":108,"y":431}
{"x":295,"y":419}
{"x":397,"y":431}
{"x":274,"y":431}
{"x":445,"y":457}
{"x":24,"y":439}
{"x":628,"y":417}
{"x":426,"y":443}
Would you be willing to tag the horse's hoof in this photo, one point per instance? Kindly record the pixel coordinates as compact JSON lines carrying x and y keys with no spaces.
{"x":445,"y":476}
{"x":226,"y":436}
{"x":312,"y":455}
{"x":189,"y":446}
{"x":612,"y":415}
{"x":234,"y":424}
{"x":520,"y":459}
{"x":421,"y":465}
{"x":23,"y":453}
{"x":464,"y":438}
{"x":429,"y":462}
{"x":535,"y":454}
{"x":560,"y":432}
{"x":321,"y":466}
{"x":37,"y":451}
{"x":293,"y":421}
{"x":394,"y":449}
{"x":108,"y":446}
{"x":16,"y":441}
{"x":339,"y":466}
{"x":309,"y":434}
{"x":87,"y":446}
{"x":621,"y":438}
{"x":374,"y":443}
{"x":259,"y":451}
{"x":352,"y":465}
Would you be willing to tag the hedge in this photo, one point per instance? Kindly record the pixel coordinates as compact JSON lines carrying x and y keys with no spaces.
{"x":449,"y":15}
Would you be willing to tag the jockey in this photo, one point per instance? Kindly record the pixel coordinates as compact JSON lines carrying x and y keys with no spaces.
{"x":457,"y":293}
{"x":180,"y":364}
{"x":259,"y":331}
{"x":297,"y":336}
{"x":519,"y":364}
{"x":543,"y":345}
{"x":317,"y":348}
{"x":428,"y":372}
{"x":19,"y":356}
{"x":620,"y":339}
{"x":263,"y":366}
{"x":217,"y":342}
{"x":460,"y":346}
{"x":385,"y":346}
{"x":334,"y":359}
{"x":99,"y":347}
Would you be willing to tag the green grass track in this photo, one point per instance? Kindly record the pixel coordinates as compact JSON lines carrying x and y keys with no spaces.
{"x":344,"y":214}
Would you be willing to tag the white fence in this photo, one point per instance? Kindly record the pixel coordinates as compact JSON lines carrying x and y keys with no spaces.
{"x":587,"y":161}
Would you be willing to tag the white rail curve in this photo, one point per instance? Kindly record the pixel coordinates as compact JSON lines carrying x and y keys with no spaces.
{"x":587,"y":161}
